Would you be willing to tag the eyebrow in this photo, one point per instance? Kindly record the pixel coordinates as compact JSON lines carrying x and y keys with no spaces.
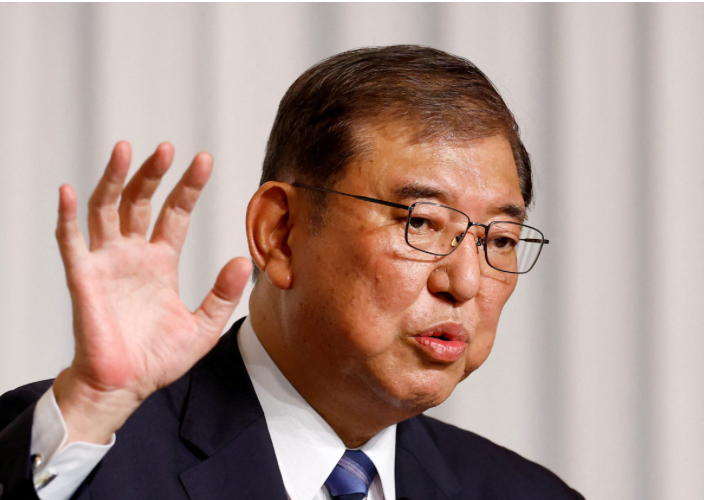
{"x":416,"y":190}
{"x":515,"y":211}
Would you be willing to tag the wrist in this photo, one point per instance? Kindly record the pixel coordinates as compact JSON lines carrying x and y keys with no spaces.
{"x":91,"y":415}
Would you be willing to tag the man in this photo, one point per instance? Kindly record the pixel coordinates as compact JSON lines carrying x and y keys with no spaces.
{"x":387,"y":236}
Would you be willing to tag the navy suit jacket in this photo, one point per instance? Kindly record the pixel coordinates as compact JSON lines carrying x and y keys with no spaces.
{"x":204,"y":437}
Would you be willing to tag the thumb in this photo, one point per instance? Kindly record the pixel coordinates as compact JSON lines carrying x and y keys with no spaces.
{"x":218,"y":305}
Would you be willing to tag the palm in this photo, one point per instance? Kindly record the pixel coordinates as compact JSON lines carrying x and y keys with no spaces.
{"x":132,"y":330}
{"x":128,"y":315}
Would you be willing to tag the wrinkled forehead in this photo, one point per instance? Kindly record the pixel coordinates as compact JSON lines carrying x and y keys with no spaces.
{"x":397,"y":144}
{"x":405,"y":131}
{"x":475,"y":174}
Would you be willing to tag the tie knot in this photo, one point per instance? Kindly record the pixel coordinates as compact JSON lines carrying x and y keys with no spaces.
{"x":351,"y":477}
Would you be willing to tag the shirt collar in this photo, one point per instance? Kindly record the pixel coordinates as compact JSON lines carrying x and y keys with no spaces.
{"x":307,"y":448}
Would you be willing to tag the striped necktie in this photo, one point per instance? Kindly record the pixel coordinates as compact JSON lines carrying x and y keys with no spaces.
{"x":351,"y":477}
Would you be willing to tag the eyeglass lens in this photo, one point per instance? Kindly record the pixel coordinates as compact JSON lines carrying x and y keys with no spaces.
{"x":438,"y":230}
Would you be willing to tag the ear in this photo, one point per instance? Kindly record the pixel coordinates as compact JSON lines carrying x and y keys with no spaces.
{"x":269,"y":224}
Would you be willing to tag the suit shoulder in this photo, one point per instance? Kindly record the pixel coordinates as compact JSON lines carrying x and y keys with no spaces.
{"x":501,"y":468}
{"x":464,"y":445}
{"x":14,"y":402}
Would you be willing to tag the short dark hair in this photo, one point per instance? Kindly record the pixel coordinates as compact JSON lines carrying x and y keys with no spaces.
{"x":313,"y":136}
{"x":440,"y":95}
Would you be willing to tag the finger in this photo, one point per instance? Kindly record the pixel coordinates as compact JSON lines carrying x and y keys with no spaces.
{"x":135,"y":207}
{"x":218,"y":305}
{"x":103,"y":218}
{"x":172,"y":225}
{"x":72,"y":245}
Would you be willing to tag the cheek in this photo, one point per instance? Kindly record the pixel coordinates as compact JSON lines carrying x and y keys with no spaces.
{"x":490,"y":301}
{"x":386,"y":283}
{"x":375,"y":289}
{"x":493,"y":294}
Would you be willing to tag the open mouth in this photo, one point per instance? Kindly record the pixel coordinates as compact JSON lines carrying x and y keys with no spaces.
{"x":443,"y":343}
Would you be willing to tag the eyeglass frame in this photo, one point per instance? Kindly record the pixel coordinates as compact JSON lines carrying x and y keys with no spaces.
{"x":480,"y":242}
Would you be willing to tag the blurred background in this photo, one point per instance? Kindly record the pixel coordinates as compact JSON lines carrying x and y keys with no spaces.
{"x":598,"y":368}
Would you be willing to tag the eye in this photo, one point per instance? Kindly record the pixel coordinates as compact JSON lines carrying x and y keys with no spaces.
{"x":503,"y":242}
{"x":418,"y":223}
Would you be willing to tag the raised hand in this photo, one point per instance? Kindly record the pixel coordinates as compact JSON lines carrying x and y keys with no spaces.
{"x":133,"y":333}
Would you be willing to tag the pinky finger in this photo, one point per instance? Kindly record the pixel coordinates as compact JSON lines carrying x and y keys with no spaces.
{"x":72,"y":245}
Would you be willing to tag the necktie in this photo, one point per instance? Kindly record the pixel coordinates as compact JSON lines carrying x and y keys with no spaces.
{"x":351,"y":477}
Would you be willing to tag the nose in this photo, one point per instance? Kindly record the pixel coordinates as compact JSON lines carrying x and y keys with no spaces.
{"x":457,"y":276}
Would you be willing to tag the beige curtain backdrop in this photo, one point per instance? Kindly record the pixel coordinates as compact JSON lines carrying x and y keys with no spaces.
{"x":598,"y":368}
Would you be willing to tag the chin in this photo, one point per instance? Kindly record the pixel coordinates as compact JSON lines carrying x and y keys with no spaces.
{"x":417,"y":392}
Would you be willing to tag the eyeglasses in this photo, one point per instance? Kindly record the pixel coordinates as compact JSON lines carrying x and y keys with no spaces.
{"x":436,"y":229}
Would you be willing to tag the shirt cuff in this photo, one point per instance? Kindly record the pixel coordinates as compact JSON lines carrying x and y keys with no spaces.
{"x":59,"y":469}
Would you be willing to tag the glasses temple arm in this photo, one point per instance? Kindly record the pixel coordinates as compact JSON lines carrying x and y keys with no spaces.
{"x":363,"y":198}
{"x":534,"y":240}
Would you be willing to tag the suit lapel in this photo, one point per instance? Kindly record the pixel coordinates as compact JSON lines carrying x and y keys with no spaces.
{"x":224,"y":423}
{"x":421,"y":471}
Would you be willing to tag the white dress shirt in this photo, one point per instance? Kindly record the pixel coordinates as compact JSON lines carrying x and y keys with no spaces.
{"x":306,"y":447}
{"x":63,"y":468}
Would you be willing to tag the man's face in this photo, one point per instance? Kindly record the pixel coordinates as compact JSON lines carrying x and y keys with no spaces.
{"x":403,"y":324}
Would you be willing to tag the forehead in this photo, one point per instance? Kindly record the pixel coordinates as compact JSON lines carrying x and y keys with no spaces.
{"x":466,"y":174}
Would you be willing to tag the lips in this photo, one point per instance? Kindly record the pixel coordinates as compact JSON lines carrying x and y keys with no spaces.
{"x":445,"y":343}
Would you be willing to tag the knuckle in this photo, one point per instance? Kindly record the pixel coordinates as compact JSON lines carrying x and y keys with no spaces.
{"x":181,"y":210}
{"x":210,"y":316}
{"x":221,"y":295}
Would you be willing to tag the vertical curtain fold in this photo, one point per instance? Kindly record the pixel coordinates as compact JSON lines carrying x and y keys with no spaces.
{"x":596,"y":371}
